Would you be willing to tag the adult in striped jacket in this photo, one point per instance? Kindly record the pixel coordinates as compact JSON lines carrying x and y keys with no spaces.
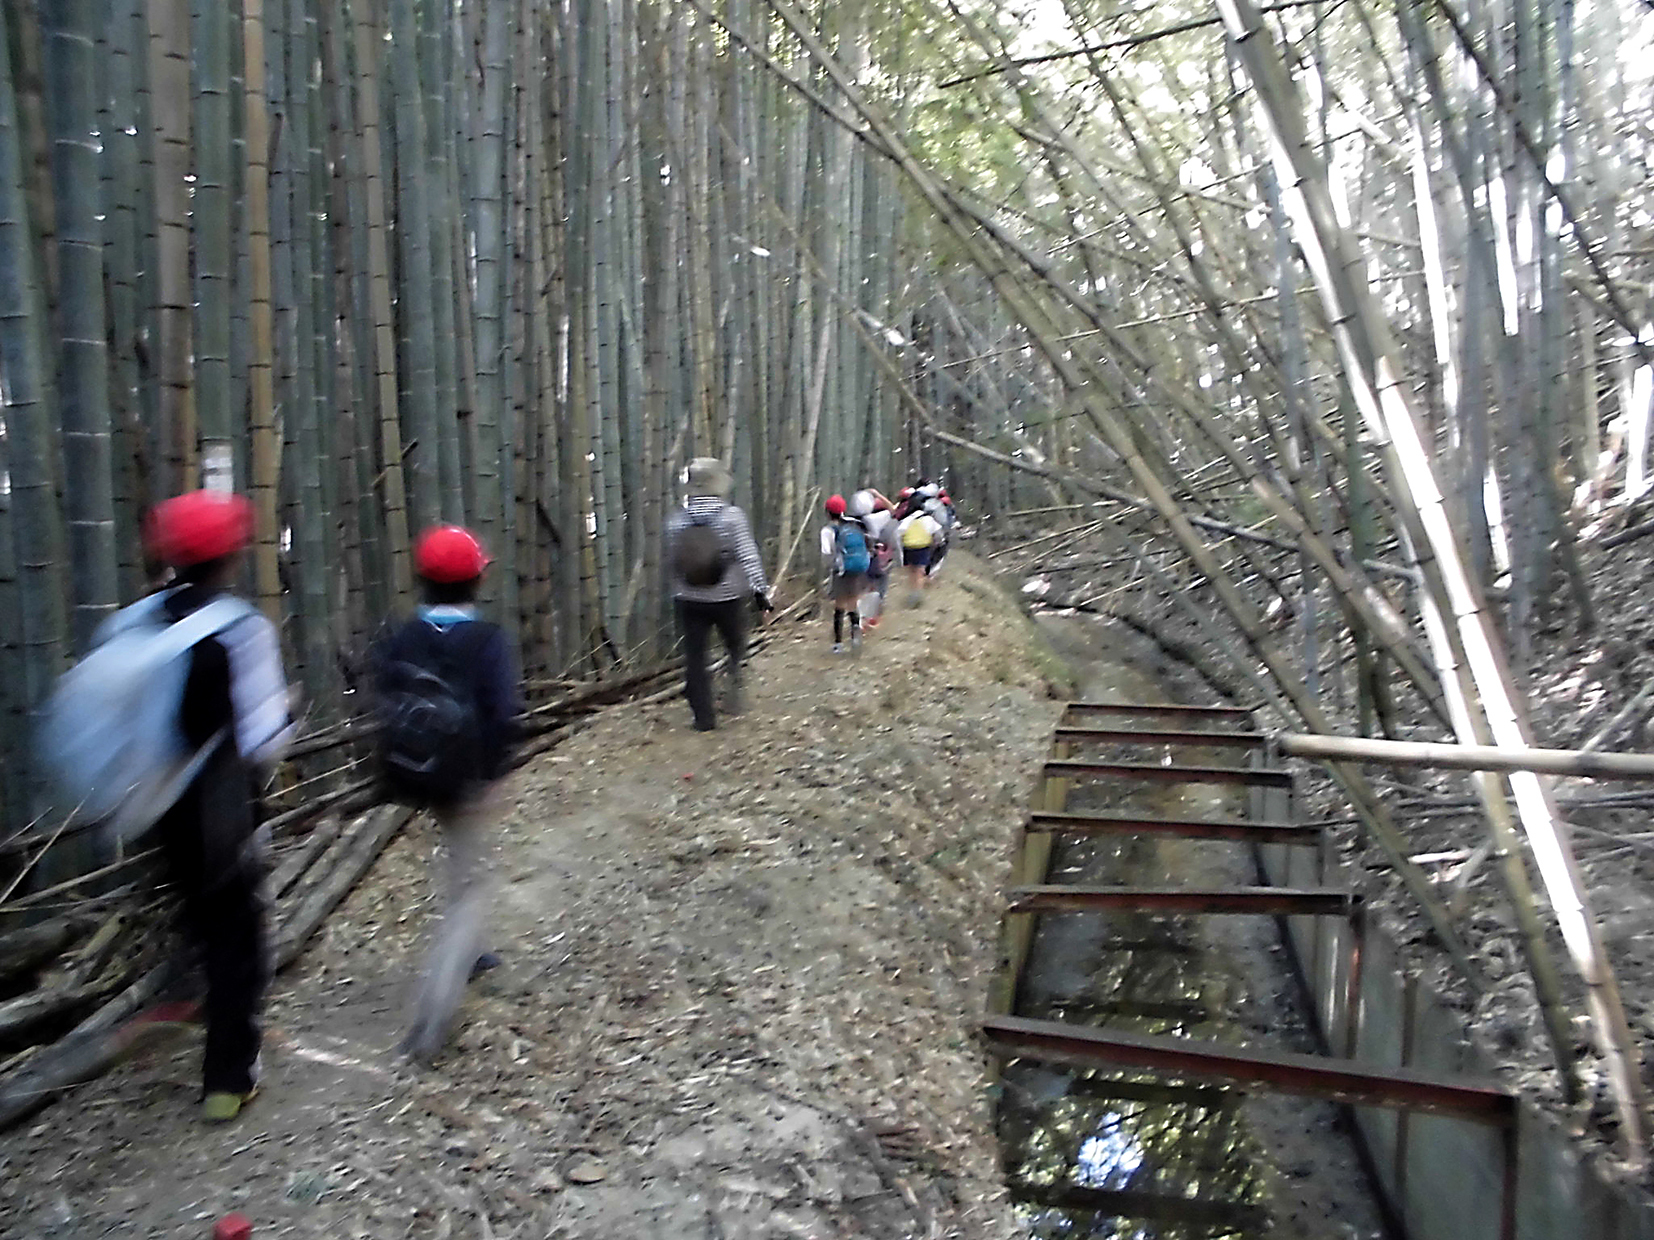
{"x":716,"y":574}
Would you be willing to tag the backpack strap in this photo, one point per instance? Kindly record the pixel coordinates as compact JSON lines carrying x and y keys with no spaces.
{"x":132,"y":819}
{"x":180,"y":636}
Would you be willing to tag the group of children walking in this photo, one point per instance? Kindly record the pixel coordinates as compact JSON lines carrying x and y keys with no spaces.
{"x":175,"y":720}
{"x":868,"y":537}
{"x":172,"y":724}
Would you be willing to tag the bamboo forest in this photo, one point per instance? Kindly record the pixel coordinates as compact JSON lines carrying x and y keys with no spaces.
{"x":1303,"y":346}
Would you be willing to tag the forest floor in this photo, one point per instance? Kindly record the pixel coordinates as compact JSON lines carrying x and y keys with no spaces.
{"x":741,"y":974}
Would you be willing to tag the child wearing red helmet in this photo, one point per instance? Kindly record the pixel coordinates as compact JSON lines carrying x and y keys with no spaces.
{"x":447,"y":701}
{"x":849,"y":550}
{"x":234,"y":714}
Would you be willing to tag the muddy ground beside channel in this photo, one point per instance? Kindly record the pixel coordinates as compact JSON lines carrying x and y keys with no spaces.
{"x":741,"y":977}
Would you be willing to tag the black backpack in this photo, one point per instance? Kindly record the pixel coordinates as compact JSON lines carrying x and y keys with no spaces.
{"x":430,"y":724}
{"x":699,"y":555}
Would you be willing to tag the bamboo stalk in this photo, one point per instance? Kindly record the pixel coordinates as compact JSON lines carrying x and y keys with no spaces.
{"x":1575,"y":762}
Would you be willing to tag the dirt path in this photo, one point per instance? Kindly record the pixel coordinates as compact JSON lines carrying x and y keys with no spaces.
{"x":741,"y":973}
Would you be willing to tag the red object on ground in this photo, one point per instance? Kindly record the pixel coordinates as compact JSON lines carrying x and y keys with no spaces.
{"x":233,"y":1227}
{"x":198,"y":526}
{"x":448,"y":554}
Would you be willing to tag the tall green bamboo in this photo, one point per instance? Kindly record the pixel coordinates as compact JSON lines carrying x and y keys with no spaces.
{"x":170,"y":104}
{"x":82,"y":373}
{"x":415,"y":305}
{"x":391,"y":480}
{"x":35,"y":543}
{"x":211,"y":242}
{"x":432,"y":46}
{"x":123,"y":245}
{"x":489,"y":238}
{"x":264,"y":448}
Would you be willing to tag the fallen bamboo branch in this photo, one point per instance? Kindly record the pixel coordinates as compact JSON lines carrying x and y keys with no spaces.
{"x":90,"y":1048}
{"x":348,"y":859}
{"x":99,"y":1041}
{"x":1607,"y":731}
{"x":1074,"y":530}
{"x":21,"y":1016}
{"x":293,"y":867}
{"x":320,"y":805}
{"x":21,"y":950}
{"x":35,"y":898}
{"x":1447,"y":756}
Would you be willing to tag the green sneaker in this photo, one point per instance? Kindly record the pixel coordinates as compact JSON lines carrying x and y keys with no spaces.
{"x":223,"y":1106}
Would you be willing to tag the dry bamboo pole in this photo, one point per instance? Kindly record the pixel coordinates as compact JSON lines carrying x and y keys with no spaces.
{"x":1582,"y":763}
{"x":368,"y":60}
{"x":169,"y":76}
{"x":265,"y":465}
{"x":71,"y":78}
{"x":1489,"y":703}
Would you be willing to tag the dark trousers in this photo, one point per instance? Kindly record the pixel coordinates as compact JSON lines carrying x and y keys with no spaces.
{"x":698,"y":621}
{"x":218,"y":872}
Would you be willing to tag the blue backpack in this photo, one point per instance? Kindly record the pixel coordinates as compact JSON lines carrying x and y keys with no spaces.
{"x":109,"y":734}
{"x":853,"y":553}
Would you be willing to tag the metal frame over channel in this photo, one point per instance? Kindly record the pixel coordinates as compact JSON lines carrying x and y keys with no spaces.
{"x":1343,"y":1080}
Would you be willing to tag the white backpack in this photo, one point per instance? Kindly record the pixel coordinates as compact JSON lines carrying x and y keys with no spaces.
{"x":109,"y":734}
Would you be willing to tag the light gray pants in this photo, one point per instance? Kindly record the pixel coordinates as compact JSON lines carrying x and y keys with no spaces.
{"x":457,"y":941}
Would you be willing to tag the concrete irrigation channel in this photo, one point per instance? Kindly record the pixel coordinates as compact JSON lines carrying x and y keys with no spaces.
{"x":1203,"y":1036}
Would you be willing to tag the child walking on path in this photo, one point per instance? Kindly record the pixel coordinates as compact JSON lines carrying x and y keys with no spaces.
{"x":234,"y":715}
{"x":448,"y":701}
{"x":919,"y":533}
{"x":874,"y":510}
{"x":845,"y":542}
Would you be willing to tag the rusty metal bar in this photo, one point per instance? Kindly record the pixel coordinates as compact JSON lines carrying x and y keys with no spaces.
{"x":1340,"y":1080}
{"x":1165,"y":710}
{"x":1255,"y":777}
{"x":1198,"y":1212}
{"x":1279,"y":901}
{"x":1187,"y":828}
{"x":1160,"y":736}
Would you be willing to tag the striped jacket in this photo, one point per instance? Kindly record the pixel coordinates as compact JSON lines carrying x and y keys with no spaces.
{"x":744,"y":573}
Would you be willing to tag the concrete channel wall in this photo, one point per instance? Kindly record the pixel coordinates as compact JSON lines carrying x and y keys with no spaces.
{"x":1444,"y":1178}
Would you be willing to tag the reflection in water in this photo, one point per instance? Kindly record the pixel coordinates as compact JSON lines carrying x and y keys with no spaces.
{"x":1108,"y":1154}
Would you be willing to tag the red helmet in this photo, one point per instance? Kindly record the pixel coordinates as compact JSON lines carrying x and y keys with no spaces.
{"x":198,"y":526}
{"x":449,"y":554}
{"x":835,"y":505}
